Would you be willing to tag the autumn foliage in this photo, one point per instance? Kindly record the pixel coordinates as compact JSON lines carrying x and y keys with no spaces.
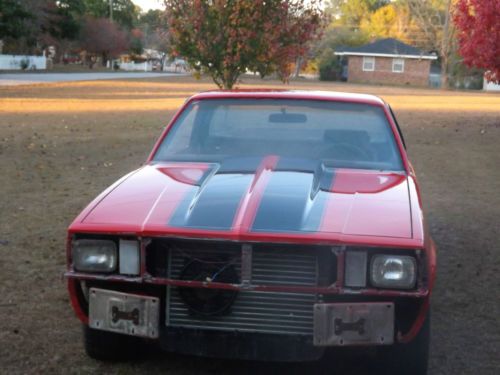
{"x":227,"y":38}
{"x":104,"y":38}
{"x":478,"y":22}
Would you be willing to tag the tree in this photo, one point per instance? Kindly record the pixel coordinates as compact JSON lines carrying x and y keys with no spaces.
{"x":103,"y":37}
{"x":18,"y":25}
{"x":289,"y":41}
{"x":60,"y":24}
{"x":393,"y":20}
{"x":354,"y":22}
{"x":478,"y":23}
{"x":330,"y":66}
{"x":433,"y":18}
{"x":226,"y":38}
{"x":350,"y":13}
{"x":65,"y":18}
{"x":154,"y":27}
{"x":389,"y":21}
{"x":124,"y":12}
{"x":136,"y":41}
{"x":12,"y":17}
{"x":381,"y":22}
{"x":73,"y":12}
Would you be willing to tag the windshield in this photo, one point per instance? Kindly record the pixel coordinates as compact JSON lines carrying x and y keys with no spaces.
{"x":337,"y":134}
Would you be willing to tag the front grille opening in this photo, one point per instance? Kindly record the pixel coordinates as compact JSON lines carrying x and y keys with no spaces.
{"x":251,"y":311}
{"x":161,"y":252}
{"x":272,"y":264}
{"x":243,"y":310}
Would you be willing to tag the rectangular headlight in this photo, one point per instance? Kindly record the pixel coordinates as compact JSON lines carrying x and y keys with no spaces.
{"x":393,"y":271}
{"x":94,"y":255}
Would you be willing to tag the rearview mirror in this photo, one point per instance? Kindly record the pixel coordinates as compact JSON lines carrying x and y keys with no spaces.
{"x":287,"y":118}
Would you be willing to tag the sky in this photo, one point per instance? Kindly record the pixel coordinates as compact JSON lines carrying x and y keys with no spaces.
{"x":149,"y":4}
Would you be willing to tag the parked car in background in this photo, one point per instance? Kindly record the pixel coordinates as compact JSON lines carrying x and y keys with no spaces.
{"x":71,"y":59}
{"x":266,"y":225}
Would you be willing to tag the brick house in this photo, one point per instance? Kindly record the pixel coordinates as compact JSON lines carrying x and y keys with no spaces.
{"x":387,"y":61}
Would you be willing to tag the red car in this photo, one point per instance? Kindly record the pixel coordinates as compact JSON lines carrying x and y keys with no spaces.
{"x":268,"y":225}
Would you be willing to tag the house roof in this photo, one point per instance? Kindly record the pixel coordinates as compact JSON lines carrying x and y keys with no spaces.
{"x":388,"y":47}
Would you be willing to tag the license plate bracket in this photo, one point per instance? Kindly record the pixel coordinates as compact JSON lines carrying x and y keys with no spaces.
{"x":125,"y":313}
{"x":342,"y":324}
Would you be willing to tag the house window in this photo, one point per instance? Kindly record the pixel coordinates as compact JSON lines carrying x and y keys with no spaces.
{"x":368,"y":64}
{"x":398,"y":65}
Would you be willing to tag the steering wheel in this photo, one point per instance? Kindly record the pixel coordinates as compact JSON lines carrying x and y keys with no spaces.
{"x":343,"y":151}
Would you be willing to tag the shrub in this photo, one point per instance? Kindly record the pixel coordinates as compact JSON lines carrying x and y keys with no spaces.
{"x":330,"y":68}
{"x":24,"y":64}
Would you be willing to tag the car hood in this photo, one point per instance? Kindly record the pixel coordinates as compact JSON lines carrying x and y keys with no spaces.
{"x":268,"y":195}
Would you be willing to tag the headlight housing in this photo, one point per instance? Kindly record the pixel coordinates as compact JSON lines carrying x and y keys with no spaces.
{"x":393,"y":271}
{"x":94,"y":255}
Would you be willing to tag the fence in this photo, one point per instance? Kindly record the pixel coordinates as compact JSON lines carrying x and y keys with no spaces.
{"x":490,"y":86}
{"x":131,"y":66}
{"x":175,"y":66}
{"x":22,"y":62}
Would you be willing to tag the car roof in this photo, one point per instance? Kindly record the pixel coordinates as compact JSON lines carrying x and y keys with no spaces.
{"x":290,"y":94}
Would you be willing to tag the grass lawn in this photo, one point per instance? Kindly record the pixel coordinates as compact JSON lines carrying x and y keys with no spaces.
{"x":61,"y":144}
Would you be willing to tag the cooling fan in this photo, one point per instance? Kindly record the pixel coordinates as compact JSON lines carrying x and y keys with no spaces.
{"x":208,"y":301}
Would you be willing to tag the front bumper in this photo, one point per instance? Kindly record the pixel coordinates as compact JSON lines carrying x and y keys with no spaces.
{"x":335,"y":324}
{"x":343,"y":315}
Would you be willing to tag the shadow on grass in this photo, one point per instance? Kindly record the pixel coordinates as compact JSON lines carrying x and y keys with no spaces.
{"x":343,"y":361}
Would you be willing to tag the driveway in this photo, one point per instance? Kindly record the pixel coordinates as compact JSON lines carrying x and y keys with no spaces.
{"x":15,"y":79}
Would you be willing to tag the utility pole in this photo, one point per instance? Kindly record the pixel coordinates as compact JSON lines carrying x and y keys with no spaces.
{"x":110,"y":62}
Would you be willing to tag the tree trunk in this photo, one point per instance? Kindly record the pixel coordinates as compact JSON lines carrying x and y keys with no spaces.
{"x":229,"y":79}
{"x":445,"y":47}
{"x":444,"y":72}
{"x":298,"y":67}
{"x":104,"y":58}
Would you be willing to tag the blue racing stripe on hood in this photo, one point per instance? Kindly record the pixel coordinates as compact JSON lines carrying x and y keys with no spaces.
{"x":294,"y":201}
{"x":214,"y":204}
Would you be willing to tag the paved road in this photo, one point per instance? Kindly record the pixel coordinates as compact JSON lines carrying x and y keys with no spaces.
{"x":14,"y":79}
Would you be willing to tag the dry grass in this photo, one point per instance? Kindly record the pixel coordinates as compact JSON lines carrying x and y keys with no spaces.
{"x":158,"y":95}
{"x":61,"y":144}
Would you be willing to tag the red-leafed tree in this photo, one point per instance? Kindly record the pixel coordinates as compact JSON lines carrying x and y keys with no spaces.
{"x":226,"y":38}
{"x":478,"y":22}
{"x":136,"y":41}
{"x":104,"y":38}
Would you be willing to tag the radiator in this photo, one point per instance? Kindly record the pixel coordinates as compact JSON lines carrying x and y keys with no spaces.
{"x":251,"y":311}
